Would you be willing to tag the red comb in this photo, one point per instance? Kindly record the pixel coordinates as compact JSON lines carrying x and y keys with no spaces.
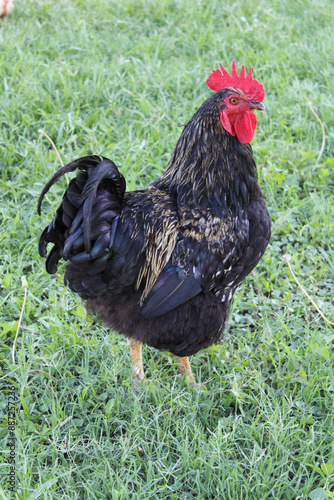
{"x":220,"y":79}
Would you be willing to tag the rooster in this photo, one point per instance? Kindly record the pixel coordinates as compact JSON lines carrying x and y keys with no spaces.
{"x":160,"y":265}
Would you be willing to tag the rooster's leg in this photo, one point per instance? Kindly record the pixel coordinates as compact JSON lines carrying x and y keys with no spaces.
{"x":137,"y":360}
{"x":185,"y":369}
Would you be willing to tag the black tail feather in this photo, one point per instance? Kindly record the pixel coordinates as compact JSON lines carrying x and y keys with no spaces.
{"x":90,"y":204}
{"x":106,"y":171}
{"x":82,"y":163}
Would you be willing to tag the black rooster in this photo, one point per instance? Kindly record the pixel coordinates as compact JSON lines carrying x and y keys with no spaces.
{"x":161,"y":265}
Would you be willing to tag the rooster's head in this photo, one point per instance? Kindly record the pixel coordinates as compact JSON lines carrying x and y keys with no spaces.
{"x":242,"y":95}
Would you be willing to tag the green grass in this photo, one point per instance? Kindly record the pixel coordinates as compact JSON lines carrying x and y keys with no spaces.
{"x":116,"y":78}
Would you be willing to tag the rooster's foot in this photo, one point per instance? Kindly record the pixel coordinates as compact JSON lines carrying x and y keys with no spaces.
{"x":185,"y":369}
{"x":137,"y":360}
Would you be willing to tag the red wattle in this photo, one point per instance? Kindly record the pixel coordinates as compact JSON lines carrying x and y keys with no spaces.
{"x":245,"y":126}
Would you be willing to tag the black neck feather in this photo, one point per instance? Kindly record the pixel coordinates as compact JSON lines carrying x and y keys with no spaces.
{"x":210,"y":169}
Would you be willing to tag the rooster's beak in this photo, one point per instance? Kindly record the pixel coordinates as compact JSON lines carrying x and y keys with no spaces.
{"x":256,"y":105}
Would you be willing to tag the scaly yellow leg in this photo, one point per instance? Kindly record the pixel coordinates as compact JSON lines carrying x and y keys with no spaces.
{"x":137,"y":360}
{"x":185,"y":369}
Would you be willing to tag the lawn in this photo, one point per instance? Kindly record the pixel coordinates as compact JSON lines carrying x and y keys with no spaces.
{"x":118,"y":78}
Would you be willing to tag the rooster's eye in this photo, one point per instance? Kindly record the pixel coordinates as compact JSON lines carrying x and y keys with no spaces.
{"x":234,"y":100}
